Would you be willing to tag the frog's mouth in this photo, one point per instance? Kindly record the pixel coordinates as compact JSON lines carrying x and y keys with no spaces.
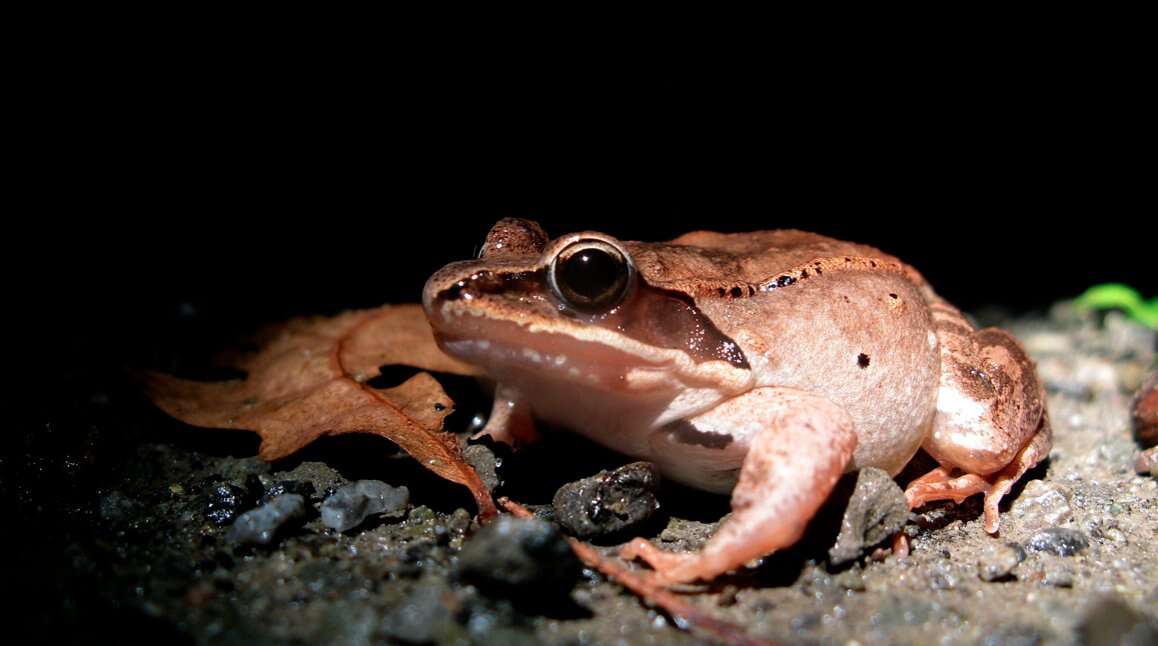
{"x":504,"y":347}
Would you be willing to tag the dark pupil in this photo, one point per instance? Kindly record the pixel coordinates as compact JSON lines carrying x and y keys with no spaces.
{"x":592,"y":274}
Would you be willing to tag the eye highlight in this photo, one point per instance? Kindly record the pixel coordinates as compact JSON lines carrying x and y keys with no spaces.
{"x":591,"y":276}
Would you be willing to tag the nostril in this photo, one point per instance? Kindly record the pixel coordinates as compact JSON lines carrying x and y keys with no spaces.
{"x":485,"y":282}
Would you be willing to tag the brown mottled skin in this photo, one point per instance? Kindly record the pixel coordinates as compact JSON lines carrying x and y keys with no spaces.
{"x":763,"y":364}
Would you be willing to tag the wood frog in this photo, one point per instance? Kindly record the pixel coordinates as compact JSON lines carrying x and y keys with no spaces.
{"x":762,"y":364}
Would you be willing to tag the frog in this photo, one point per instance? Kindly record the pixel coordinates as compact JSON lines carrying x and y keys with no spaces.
{"x":761,"y":365}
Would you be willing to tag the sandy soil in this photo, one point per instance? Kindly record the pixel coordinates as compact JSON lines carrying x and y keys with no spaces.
{"x":119,"y":519}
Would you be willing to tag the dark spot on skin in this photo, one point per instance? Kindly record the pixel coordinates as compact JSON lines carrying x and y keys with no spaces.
{"x":784,"y":281}
{"x":804,"y":273}
{"x":439,"y":406}
{"x":848,"y":259}
{"x":818,"y":272}
{"x":737,"y":292}
{"x":862,"y":360}
{"x":873,"y":263}
{"x":751,"y":290}
{"x":685,"y":432}
{"x":722,"y":291}
{"x":845,"y":299}
{"x":892,"y":296}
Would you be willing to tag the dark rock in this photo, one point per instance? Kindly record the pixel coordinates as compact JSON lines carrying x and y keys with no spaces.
{"x":608,"y":503}
{"x":876,"y":510}
{"x":258,"y":526}
{"x":998,"y":561}
{"x":515,"y":555}
{"x":1058,"y":540}
{"x":483,"y":459}
{"x":224,"y":501}
{"x":349,"y":506}
{"x":1112,"y":621}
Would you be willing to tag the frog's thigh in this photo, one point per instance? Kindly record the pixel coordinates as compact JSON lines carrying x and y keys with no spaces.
{"x":990,"y":402}
{"x":991,"y":422}
{"x":799,"y":446}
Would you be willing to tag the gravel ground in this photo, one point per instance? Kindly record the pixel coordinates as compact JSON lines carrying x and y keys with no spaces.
{"x":125,"y":526}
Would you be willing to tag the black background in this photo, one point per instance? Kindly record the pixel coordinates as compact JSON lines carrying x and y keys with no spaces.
{"x":183,"y":194}
{"x":171,"y":191}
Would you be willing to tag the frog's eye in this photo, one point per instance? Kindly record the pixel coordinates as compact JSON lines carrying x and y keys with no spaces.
{"x":591,"y":275}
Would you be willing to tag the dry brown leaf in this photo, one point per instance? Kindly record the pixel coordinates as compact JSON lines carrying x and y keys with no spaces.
{"x":309,"y":380}
{"x":643,"y":585}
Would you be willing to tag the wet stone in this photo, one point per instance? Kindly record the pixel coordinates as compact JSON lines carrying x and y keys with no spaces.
{"x":519,"y":556}
{"x":875,"y":511}
{"x":998,"y":561}
{"x":259,"y":526}
{"x":225,"y":501}
{"x":609,"y":503}
{"x":483,"y":459}
{"x":352,"y":504}
{"x":1058,"y":540}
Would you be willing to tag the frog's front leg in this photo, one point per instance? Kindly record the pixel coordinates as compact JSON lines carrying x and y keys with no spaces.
{"x":991,"y":424}
{"x":510,"y":421}
{"x":800,"y":444}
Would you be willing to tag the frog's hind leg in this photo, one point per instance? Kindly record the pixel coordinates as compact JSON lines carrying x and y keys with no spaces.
{"x":991,"y":425}
{"x":800,"y":445}
{"x":940,"y":484}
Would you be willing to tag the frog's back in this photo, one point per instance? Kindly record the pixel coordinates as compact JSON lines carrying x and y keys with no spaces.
{"x":706,"y":262}
{"x":830,"y":317}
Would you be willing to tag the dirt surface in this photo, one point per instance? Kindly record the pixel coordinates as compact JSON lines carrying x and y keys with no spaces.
{"x":119,"y":530}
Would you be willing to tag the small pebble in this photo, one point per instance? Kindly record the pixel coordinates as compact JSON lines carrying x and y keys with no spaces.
{"x":1043,"y":504}
{"x":1058,"y":540}
{"x":876,"y":510}
{"x":483,"y":459}
{"x":224,"y":502}
{"x":258,"y":526}
{"x":608,"y":503}
{"x":1058,"y":576}
{"x":352,"y":504}
{"x":519,"y":556}
{"x":998,"y":561}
